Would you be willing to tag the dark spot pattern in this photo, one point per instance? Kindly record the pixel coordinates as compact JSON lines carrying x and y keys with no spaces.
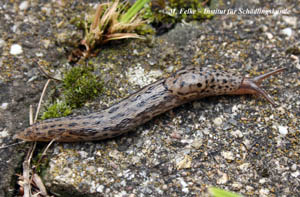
{"x":182,"y":84}
{"x":73,"y":124}
{"x":113,"y":109}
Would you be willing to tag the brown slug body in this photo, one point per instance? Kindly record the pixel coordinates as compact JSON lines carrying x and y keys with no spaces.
{"x":182,"y":87}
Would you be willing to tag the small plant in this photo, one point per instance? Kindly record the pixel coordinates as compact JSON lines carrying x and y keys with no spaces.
{"x":80,"y":85}
{"x":110,"y":22}
{"x":56,"y":110}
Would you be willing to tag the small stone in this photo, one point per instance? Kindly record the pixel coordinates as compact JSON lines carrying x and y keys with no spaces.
{"x":281,"y":110}
{"x":244,"y":167}
{"x":295,"y":174}
{"x":197,"y":143}
{"x":294,"y":167}
{"x":39,"y":54}
{"x":223,"y":179}
{"x":269,"y":35}
{"x":228,"y":155}
{"x":165,"y":187}
{"x":264,"y":192}
{"x":185,"y":163}
{"x":262,"y":181}
{"x":249,"y":188}
{"x":16,"y":49}
{"x":237,"y":134}
{"x":2,"y":43}
{"x":218,"y":121}
{"x":206,"y":131}
{"x":83,"y":154}
{"x":287,"y":31}
{"x":175,"y":135}
{"x":4,"y":106}
{"x":100,"y":189}
{"x":24,"y":5}
{"x":291,"y":20}
{"x":184,"y":185}
{"x":282,"y":130}
{"x":237,"y":185}
{"x":46,"y":43}
{"x":4,"y":133}
{"x":235,"y":108}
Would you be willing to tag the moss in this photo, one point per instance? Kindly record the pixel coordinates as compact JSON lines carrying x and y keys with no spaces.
{"x":56,"y":110}
{"x":41,"y":163}
{"x":80,"y":85}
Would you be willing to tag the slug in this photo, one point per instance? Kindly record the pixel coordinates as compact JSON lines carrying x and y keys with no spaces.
{"x":184,"y":86}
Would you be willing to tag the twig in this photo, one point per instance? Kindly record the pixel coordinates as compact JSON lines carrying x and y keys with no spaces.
{"x":44,"y":152}
{"x":26,"y":171}
{"x":41,"y":99}
{"x":30,"y":115}
{"x":43,"y":71}
{"x":3,"y":147}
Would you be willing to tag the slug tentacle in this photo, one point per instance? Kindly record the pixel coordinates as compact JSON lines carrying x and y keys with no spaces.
{"x":251,"y":86}
{"x":182,"y":87}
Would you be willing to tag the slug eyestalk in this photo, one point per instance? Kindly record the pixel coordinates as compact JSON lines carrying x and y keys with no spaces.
{"x":252,"y":86}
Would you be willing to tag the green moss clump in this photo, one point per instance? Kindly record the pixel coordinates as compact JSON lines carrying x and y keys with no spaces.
{"x":80,"y":85}
{"x":56,"y":110}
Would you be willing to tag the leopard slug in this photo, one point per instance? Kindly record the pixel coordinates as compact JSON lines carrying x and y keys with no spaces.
{"x":182,"y":87}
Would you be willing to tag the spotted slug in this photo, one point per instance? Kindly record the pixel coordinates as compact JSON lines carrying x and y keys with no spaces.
{"x":184,"y":86}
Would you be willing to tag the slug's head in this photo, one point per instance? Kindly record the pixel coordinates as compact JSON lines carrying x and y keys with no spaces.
{"x":252,"y":86}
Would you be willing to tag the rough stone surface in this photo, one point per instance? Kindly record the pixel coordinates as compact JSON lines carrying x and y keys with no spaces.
{"x":246,"y":153}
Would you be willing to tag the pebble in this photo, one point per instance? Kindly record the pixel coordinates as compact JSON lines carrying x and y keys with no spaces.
{"x":294,"y":167}
{"x":228,"y":155}
{"x":184,"y":185}
{"x":264,"y":192}
{"x":4,"y":133}
{"x":185,"y":163}
{"x":287,"y":31}
{"x":281,"y":110}
{"x":244,"y":167}
{"x":100,"y":189}
{"x":295,"y":174}
{"x":197,"y":143}
{"x":269,"y":35}
{"x":291,"y":20}
{"x":4,"y":106}
{"x":223,"y":179}
{"x":218,"y":121}
{"x":262,"y":181}
{"x":237,"y":134}
{"x":237,"y":185}
{"x":16,"y":49}
{"x":24,"y":5}
{"x":2,"y":43}
{"x":282,"y":130}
